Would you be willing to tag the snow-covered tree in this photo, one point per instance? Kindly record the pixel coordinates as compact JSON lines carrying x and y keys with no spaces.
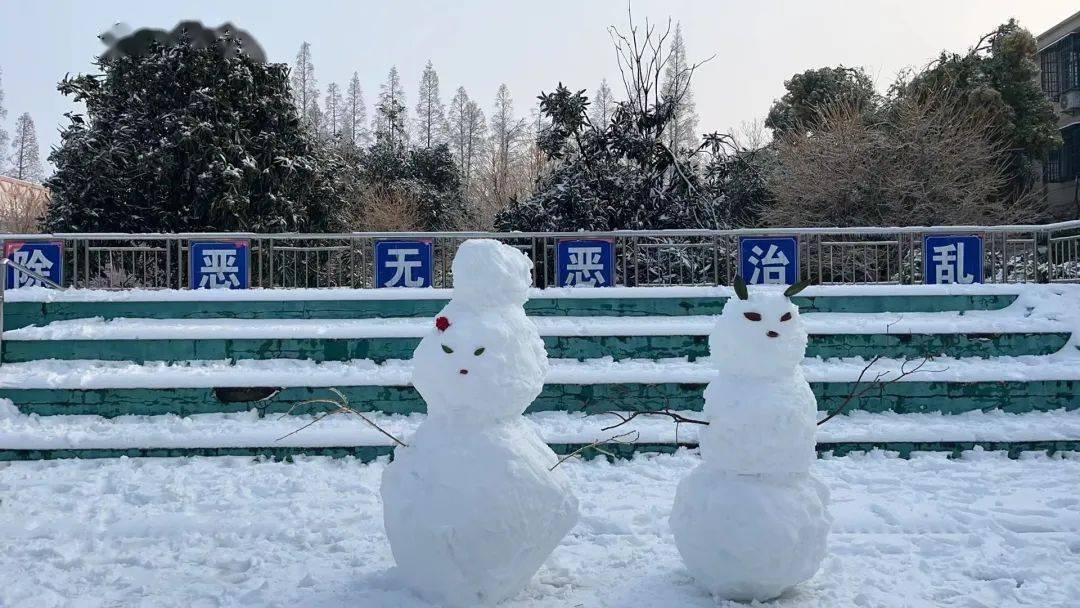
{"x":467,"y":132}
{"x":603,"y":105}
{"x":333,"y":111}
{"x":682,"y":131}
{"x":188,"y":137}
{"x":430,"y":112}
{"x":354,"y":115}
{"x":304,"y":86}
{"x":506,"y":134}
{"x":390,"y":121}
{"x":25,"y":162}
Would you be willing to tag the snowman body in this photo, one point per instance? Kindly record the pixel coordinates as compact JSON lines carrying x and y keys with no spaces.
{"x":471,"y":507}
{"x":751,"y":520}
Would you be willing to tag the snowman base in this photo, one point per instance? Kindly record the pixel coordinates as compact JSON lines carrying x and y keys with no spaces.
{"x":472,"y":513}
{"x":750,"y":537}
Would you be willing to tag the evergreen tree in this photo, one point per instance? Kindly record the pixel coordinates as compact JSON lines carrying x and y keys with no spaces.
{"x":305,"y":87}
{"x":430,"y":112}
{"x":3,"y":114}
{"x":468,"y":133}
{"x":334,"y":111}
{"x":185,"y":138}
{"x":797,"y":112}
{"x":25,"y":162}
{"x":682,"y":132}
{"x":603,"y":105}
{"x":390,"y":120}
{"x":354,"y":115}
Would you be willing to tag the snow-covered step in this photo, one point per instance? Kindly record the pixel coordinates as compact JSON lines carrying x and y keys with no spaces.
{"x":248,"y":430}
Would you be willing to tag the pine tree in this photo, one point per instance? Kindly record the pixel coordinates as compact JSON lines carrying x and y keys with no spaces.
{"x":603,"y":105}
{"x":389,"y":122}
{"x":305,"y":87}
{"x":467,"y":131}
{"x":354,"y":115}
{"x":3,"y":114}
{"x":188,"y":137}
{"x":333,"y":111}
{"x":430,"y":112}
{"x":25,"y":162}
{"x":681,"y":133}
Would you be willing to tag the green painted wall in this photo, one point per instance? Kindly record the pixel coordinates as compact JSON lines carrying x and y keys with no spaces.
{"x":560,"y":347}
{"x":609,"y":451}
{"x":22,"y":314}
{"x":900,"y":397}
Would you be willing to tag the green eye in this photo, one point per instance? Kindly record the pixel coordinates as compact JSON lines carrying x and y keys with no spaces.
{"x":479,"y":351}
{"x":446,"y":349}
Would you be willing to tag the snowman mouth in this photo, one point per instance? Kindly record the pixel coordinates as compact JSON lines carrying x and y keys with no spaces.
{"x":463,"y":371}
{"x":772,"y":334}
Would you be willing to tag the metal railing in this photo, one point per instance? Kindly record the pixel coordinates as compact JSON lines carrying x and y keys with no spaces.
{"x":863,"y":255}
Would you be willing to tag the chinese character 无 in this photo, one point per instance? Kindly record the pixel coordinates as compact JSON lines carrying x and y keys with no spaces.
{"x":585,"y":266}
{"x":219,"y":269}
{"x":404,"y":268}
{"x":33,"y":260}
{"x":949,"y":265}
{"x":769,"y":269}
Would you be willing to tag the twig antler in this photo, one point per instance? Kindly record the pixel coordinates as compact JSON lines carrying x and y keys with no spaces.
{"x":342,"y":408}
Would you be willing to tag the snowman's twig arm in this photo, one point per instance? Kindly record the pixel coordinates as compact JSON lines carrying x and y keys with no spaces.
{"x":599,"y":442}
{"x":665,"y":412}
{"x":876,"y":383}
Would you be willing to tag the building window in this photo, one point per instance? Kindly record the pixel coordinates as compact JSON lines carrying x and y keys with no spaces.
{"x":1051,"y":78}
{"x":1063,"y":165}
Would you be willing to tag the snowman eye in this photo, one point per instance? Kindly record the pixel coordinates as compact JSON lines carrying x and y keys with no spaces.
{"x":786,"y":316}
{"x":446,"y":349}
{"x":753,"y":316}
{"x":479,"y":351}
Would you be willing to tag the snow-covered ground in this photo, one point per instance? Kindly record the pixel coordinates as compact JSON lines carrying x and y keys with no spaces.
{"x":980,"y":531}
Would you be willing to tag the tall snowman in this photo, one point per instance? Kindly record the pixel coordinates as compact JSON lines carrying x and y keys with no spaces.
{"x":471,"y":507}
{"x":751,"y":520}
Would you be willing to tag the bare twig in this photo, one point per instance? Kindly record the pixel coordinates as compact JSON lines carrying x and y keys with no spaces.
{"x":620,"y":438}
{"x":342,"y":408}
{"x":626,"y":418}
{"x":876,"y":383}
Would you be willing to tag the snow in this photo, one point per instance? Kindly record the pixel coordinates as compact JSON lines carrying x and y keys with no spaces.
{"x":472,"y":505}
{"x":246,"y":429}
{"x":981,"y":530}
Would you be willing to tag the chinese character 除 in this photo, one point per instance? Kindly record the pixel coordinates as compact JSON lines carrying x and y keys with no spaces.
{"x":403,"y":268}
{"x":35,"y":260}
{"x":585,"y":266}
{"x":219,"y":269}
{"x":949,"y":265}
{"x":773,"y":263}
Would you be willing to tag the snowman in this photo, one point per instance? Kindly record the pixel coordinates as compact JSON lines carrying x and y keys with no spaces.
{"x":751,"y":521}
{"x":471,"y":507}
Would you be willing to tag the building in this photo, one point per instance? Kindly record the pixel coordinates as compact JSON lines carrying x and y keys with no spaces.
{"x":22,"y":204}
{"x":1059,"y":58}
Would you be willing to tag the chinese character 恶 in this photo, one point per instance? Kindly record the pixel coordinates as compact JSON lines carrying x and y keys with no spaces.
{"x":35,"y":260}
{"x":770,"y":268}
{"x":404,"y":269}
{"x":585,"y":266}
{"x":949,"y":265}
{"x":219,"y":269}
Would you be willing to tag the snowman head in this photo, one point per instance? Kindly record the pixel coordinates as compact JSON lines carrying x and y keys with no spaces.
{"x":759,"y":333}
{"x":482,"y":359}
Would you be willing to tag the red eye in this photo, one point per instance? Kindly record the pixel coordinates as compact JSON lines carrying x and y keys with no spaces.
{"x":786,"y":317}
{"x":753,"y":316}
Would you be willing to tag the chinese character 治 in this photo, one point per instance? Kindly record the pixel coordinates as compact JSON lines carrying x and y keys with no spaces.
{"x":949,"y":268}
{"x":404,"y":269}
{"x":35,"y":260}
{"x":219,"y":269}
{"x":769,"y":269}
{"x":585,"y":266}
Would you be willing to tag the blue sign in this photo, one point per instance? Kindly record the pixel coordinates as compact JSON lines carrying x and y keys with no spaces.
{"x":220,"y":264}
{"x":769,"y":260}
{"x":44,"y":258}
{"x":951,"y":260}
{"x":585,"y":263}
{"x":403,"y":263}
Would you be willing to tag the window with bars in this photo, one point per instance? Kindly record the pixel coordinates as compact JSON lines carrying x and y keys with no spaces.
{"x":1051,"y":81}
{"x":1060,"y":66}
{"x":1063,"y":165}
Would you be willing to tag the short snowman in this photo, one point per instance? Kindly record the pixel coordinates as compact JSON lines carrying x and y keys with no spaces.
{"x":471,"y":507}
{"x":751,"y":521}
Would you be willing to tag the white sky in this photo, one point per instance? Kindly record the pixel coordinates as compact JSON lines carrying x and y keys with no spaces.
{"x":530,"y":46}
